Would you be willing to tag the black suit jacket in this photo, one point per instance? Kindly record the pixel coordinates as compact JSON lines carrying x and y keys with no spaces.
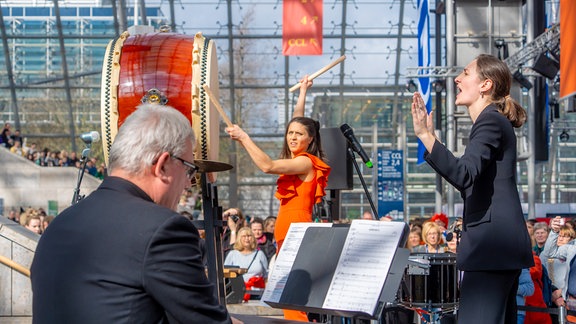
{"x":494,"y":233}
{"x":117,"y":257}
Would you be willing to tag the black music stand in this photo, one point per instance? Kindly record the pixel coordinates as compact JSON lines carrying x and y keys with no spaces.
{"x":310,"y":283}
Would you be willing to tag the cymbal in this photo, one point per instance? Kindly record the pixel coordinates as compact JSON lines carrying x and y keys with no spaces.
{"x":211,"y":166}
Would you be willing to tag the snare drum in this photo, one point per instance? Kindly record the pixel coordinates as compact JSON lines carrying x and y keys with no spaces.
{"x":166,"y":69}
{"x":432,"y":280}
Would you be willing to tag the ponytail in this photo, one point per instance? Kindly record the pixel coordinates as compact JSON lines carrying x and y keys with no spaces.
{"x":510,"y":108}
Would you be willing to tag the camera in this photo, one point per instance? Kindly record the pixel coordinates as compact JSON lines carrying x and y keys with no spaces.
{"x":235,"y":218}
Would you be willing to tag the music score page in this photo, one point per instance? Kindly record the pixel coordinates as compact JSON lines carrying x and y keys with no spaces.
{"x":363,"y":265}
{"x":278,"y":276}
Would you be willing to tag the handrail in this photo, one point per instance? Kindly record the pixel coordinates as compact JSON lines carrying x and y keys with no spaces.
{"x":18,"y":267}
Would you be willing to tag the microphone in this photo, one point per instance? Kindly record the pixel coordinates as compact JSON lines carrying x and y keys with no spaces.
{"x":90,"y":137}
{"x":349,"y":134}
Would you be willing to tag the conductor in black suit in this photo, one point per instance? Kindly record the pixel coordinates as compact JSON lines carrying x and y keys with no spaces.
{"x":122,"y":254}
{"x":495,"y":245}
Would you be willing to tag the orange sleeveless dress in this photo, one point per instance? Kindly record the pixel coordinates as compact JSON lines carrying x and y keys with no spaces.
{"x":297,"y":197}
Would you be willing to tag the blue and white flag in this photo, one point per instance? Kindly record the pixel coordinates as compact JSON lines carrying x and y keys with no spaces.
{"x":423,"y":61}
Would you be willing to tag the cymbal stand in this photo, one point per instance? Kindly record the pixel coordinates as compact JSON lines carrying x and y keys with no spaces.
{"x":213,"y":228}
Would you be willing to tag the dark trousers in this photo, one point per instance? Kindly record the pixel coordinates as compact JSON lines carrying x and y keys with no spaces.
{"x":488,"y":297}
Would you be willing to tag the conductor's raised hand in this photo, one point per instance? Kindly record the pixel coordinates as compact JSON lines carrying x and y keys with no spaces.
{"x":236,"y":133}
{"x":421,"y":119}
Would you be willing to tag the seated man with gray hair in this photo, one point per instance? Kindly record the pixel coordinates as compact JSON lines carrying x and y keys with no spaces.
{"x":123,"y":254}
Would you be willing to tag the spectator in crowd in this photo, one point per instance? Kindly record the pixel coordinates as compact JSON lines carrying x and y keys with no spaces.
{"x":432,"y":235}
{"x":17,"y":137}
{"x":540,"y":236}
{"x":452,"y":244}
{"x":72,"y":159}
{"x":367,"y":215}
{"x":33,"y":223}
{"x":530,"y":227}
{"x":246,"y":255}
{"x":123,"y":254}
{"x":91,"y":167}
{"x":558,"y":256}
{"x":5,"y":137}
{"x":13,"y":215}
{"x":416,"y":223}
{"x":537,"y":298}
{"x":17,"y":148}
{"x":101,"y":171}
{"x":40,"y":158}
{"x":184,"y":205}
{"x":63,"y":159}
{"x":525,"y":289}
{"x":52,"y":159}
{"x":47,"y":220}
{"x":265,"y":245}
{"x":24,"y":214}
{"x":32,"y":148}
{"x":414,"y":238}
{"x":233,"y":219}
{"x":441,"y":220}
{"x":269,"y":224}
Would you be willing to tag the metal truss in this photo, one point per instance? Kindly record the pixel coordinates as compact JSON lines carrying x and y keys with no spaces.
{"x":547,"y":41}
{"x":439,"y":72}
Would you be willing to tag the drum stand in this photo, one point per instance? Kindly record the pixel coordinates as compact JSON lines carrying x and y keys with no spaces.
{"x":213,"y":227}
{"x":427,"y":314}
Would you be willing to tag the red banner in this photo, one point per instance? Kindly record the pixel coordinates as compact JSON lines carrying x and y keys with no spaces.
{"x":568,"y":48}
{"x":302,"y":27}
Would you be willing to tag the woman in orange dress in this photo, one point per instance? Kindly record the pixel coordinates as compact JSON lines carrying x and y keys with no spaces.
{"x":303,"y":173}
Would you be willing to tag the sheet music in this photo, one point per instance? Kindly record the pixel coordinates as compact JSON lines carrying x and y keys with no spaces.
{"x":363,"y":265}
{"x":285,"y":259}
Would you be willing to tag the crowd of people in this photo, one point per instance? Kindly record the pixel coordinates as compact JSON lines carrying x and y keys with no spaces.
{"x":33,"y":219}
{"x":15,"y":143}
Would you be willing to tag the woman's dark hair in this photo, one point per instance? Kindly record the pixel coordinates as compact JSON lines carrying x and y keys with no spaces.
{"x":313,"y":129}
{"x":491,"y":68}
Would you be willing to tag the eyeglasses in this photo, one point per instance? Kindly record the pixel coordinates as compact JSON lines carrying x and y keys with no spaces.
{"x":191,"y":168}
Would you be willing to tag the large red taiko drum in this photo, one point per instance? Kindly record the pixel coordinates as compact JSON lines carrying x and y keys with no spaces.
{"x":163,"y":68}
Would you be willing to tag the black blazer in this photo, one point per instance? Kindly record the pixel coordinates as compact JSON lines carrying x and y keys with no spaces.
{"x":494,"y":233}
{"x":117,"y":257}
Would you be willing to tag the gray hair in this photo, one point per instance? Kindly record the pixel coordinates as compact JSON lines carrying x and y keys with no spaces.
{"x":541,"y":225}
{"x":148,"y":132}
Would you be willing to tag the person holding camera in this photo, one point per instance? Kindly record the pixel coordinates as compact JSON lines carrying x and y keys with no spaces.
{"x":233,"y":219}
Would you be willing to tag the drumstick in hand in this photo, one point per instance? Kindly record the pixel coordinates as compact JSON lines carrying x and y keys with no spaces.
{"x":319,"y":72}
{"x":217,"y":105}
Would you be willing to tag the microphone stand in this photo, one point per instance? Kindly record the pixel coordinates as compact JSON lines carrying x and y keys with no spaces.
{"x":353,"y":157}
{"x":83,"y":161}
